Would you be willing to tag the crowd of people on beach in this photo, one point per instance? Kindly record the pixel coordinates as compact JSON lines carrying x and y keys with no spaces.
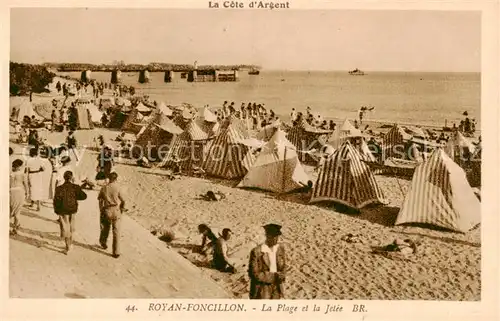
{"x":96,"y":88}
{"x":50,"y":175}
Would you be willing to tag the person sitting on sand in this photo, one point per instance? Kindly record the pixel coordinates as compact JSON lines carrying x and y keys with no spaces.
{"x":221,"y":259}
{"x":209,"y":238}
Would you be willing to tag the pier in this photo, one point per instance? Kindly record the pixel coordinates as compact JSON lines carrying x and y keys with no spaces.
{"x":203,"y":75}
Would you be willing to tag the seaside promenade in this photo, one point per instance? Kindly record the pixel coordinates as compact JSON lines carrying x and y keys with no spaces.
{"x":146,"y":268}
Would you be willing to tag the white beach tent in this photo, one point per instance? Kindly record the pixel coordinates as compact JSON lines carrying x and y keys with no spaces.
{"x":345,"y":179}
{"x":457,"y":145}
{"x":207,"y":115}
{"x":163,"y":109}
{"x":277,"y":167}
{"x":142,"y":109}
{"x":345,"y":132}
{"x":440,"y":195}
{"x":25,"y":108}
{"x":95,"y":114}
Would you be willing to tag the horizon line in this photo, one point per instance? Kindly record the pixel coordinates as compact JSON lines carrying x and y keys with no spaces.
{"x":262,"y":68}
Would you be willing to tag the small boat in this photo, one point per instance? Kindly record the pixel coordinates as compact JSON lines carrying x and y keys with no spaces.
{"x":254,"y":72}
{"x":356,"y":72}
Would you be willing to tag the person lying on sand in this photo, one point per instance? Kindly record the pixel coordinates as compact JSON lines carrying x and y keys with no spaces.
{"x":221,"y":259}
{"x":213,"y":196}
{"x":406,"y":247}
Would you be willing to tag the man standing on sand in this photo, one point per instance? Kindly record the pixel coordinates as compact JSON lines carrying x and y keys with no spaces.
{"x":267,"y":266}
{"x":66,"y":200}
{"x":111,"y":206}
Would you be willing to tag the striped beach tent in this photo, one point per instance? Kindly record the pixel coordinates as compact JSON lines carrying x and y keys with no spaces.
{"x":190,"y":147}
{"x":394,"y":142}
{"x":277,"y":167}
{"x":134,"y":122}
{"x":346,"y":180}
{"x":306,"y":138}
{"x":226,"y":154}
{"x":440,"y":195}
{"x":156,"y":135}
{"x":268,"y":131}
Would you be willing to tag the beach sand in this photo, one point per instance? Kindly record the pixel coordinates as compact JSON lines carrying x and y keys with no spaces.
{"x":320,"y":264}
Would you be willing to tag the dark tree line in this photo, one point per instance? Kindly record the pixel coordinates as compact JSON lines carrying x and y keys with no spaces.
{"x":26,"y":79}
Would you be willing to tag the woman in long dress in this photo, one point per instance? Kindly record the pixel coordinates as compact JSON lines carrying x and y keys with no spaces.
{"x":17,"y":191}
{"x":46,"y":175}
{"x":34,"y":169}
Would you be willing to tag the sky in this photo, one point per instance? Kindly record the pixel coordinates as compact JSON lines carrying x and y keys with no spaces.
{"x":285,"y":40}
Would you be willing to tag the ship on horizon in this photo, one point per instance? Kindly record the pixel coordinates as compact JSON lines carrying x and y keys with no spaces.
{"x":356,"y":72}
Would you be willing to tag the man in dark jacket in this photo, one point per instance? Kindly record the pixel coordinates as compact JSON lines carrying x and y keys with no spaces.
{"x":66,"y":199}
{"x":267,"y":266}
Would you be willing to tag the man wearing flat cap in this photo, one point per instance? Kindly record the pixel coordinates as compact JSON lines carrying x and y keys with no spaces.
{"x":267,"y":266}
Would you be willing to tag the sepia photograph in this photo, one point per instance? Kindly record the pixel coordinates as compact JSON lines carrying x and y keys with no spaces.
{"x":245,"y":154}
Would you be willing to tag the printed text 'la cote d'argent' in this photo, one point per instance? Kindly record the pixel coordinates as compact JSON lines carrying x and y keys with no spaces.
{"x":248,"y":5}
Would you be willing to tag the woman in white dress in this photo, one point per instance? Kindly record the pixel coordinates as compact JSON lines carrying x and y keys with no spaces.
{"x":35,"y":169}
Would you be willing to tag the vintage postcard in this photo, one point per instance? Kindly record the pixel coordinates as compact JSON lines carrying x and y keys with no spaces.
{"x":250,"y":159}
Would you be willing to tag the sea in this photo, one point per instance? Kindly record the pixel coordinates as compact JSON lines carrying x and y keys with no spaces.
{"x":426,"y":99}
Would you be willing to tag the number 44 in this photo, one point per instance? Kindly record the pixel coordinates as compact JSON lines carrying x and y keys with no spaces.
{"x":131,"y":308}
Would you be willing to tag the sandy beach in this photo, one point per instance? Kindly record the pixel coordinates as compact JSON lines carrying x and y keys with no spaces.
{"x":447,"y":265}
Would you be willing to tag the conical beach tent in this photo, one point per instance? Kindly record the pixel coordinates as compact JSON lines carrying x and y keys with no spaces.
{"x":459,"y":148}
{"x":190,"y":148}
{"x":226,"y":154}
{"x":84,"y":117}
{"x":268,"y":131}
{"x":24,"y":109}
{"x":95,"y":114}
{"x":394,"y":142}
{"x":306,"y":138}
{"x":156,"y":135}
{"x":440,"y":195}
{"x":207,"y":115}
{"x":277,"y":167}
{"x":162,"y":108}
{"x":134,"y":122}
{"x":345,"y":179}
{"x":143,"y":109}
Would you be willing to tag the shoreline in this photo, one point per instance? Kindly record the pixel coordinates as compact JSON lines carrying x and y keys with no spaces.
{"x":374,"y":124}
